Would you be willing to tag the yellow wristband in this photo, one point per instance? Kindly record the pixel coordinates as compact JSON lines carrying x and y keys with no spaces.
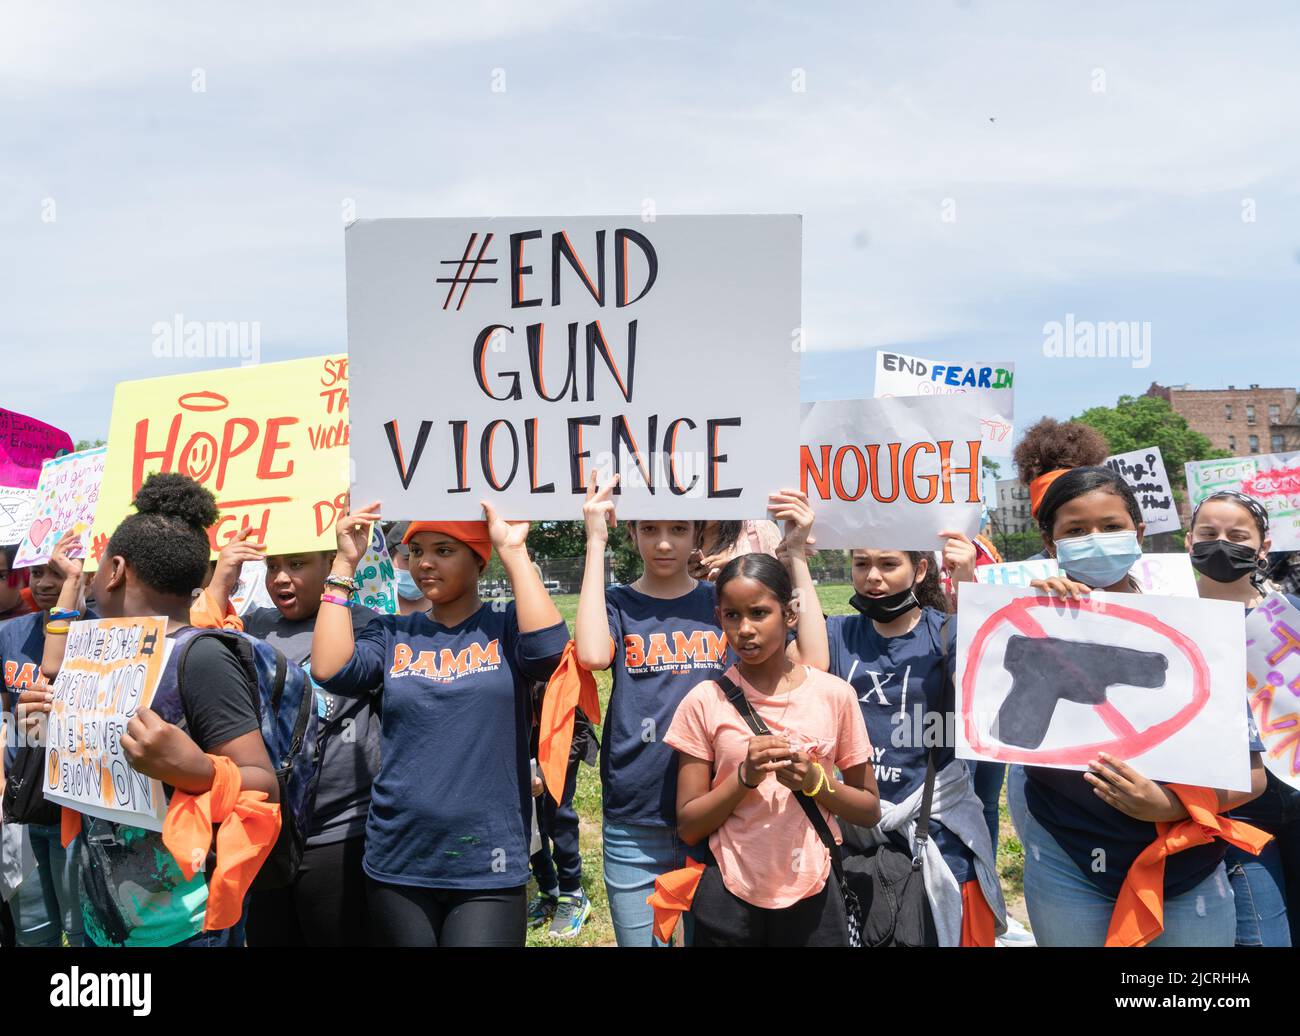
{"x":54,"y":630}
{"x":821,"y":779}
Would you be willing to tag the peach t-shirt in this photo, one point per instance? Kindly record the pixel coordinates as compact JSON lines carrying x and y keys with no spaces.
{"x":767,"y":851}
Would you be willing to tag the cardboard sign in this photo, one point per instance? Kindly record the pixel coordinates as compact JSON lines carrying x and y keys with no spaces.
{"x":26,"y":444}
{"x":1155,"y":681}
{"x":377,"y":576}
{"x":990,"y":383}
{"x":1144,"y":471}
{"x":505,"y":359}
{"x":891,"y":473}
{"x":1169,"y":575}
{"x":1273,"y":682}
{"x":110,"y":670}
{"x":17,"y":507}
{"x":1271,"y":478}
{"x":271,"y":442}
{"x":66,"y":501}
{"x":1017,"y":573}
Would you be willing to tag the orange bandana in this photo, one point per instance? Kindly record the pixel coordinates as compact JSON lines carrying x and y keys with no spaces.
{"x":674,"y":892}
{"x":1038,"y":488}
{"x":473,"y":534}
{"x":570,"y":687}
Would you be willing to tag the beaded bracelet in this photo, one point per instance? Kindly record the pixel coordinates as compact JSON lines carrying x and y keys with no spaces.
{"x":343,"y":583}
{"x":333,"y":599}
{"x":64,"y":613}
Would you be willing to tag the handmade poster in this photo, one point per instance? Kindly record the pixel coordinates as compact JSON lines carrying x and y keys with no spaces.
{"x":270,"y":441}
{"x":110,"y":670}
{"x":506,"y":359}
{"x":1144,"y":471}
{"x":892,"y":473}
{"x":1271,"y":478}
{"x":251,"y":590}
{"x":16,"y":512}
{"x":26,"y":444}
{"x":1170,"y":575}
{"x":1273,"y":683}
{"x":377,"y":576}
{"x":1017,"y":573}
{"x":1155,"y":681}
{"x":66,"y":501}
{"x":991,"y":383}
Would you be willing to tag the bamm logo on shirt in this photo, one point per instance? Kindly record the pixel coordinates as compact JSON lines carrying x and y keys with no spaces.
{"x":446,"y":665}
{"x":702,"y":649}
{"x":17,"y":679}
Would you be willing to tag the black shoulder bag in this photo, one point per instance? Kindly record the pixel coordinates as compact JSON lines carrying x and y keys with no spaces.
{"x":852,"y":909}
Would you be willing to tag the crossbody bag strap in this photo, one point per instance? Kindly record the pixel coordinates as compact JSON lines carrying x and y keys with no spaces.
{"x":755,"y":723}
{"x":931,"y":768}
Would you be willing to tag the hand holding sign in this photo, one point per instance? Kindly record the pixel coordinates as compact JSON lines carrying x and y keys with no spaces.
{"x":958,"y":556}
{"x":507,"y":537}
{"x":1119,"y":785}
{"x":792,"y":507}
{"x":163,"y":751}
{"x":598,"y":515}
{"x":352,"y":532}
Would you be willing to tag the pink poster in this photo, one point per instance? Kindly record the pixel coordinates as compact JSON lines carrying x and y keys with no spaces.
{"x":25,"y":444}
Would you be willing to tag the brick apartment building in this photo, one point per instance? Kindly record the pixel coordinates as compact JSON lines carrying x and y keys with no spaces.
{"x":1240,"y":420}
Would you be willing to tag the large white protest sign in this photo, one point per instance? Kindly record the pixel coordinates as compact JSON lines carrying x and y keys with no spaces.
{"x":1271,"y":478}
{"x":110,"y":670}
{"x":1273,"y":682}
{"x":1155,"y":681}
{"x":1144,"y":471}
{"x":891,"y":473}
{"x":17,"y":507}
{"x":990,"y":383}
{"x":505,"y":359}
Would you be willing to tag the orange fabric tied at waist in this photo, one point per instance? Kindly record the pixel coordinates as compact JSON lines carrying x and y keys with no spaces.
{"x":69,"y":826}
{"x":674,"y":892}
{"x":1039,"y":486}
{"x":248,"y":828}
{"x":1139,"y":914}
{"x":570,"y":687}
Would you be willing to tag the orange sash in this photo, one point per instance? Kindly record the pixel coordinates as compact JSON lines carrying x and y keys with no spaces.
{"x":249,"y":826}
{"x":674,"y":892}
{"x":570,"y":687}
{"x":1139,"y":914}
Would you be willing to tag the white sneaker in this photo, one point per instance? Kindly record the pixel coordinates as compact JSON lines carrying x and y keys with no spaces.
{"x":1016,"y":934}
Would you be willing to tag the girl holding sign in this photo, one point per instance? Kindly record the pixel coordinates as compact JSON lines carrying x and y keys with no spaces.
{"x":446,"y":854}
{"x":135,"y":889}
{"x":898,"y":654}
{"x":660,"y":635}
{"x":1228,"y":542}
{"x":773,"y":882}
{"x":1083,"y":831}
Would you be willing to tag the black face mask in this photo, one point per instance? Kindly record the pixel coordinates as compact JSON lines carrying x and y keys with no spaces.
{"x":1222,"y":561}
{"x":887,"y":608}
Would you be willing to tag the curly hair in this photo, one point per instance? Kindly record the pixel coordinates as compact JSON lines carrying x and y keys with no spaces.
{"x":166,"y":540}
{"x":1051,"y":444}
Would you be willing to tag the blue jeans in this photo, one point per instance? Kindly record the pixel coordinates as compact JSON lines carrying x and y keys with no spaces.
{"x":1066,"y":909}
{"x":1258,"y":885}
{"x":47,"y":905}
{"x":987,"y":780}
{"x":636,"y":854}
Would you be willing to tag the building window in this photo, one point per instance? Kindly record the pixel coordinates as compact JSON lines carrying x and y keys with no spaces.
{"x":1276,"y":443}
{"x":1250,"y":413}
{"x":1254,"y":444}
{"x":1227,"y":411}
{"x":1274,"y":413}
{"x":1232,"y":443}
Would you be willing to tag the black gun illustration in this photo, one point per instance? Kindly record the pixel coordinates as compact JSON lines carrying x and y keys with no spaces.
{"x":1045,"y":670}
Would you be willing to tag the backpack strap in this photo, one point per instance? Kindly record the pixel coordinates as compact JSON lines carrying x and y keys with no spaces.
{"x":234,"y":643}
{"x":931,"y":768}
{"x":811,"y":810}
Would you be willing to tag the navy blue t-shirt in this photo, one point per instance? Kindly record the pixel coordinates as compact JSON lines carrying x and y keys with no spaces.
{"x":22,"y":645}
{"x":662,"y":649}
{"x":902,"y":683}
{"x":451,"y":804}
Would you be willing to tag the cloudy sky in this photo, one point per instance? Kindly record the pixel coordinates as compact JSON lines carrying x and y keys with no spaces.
{"x":967,"y":171}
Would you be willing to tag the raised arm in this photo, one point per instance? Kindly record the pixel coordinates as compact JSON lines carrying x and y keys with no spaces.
{"x":591,"y":634}
{"x":533,"y":605}
{"x":72,"y":597}
{"x":811,"y":645}
{"x":332,"y":643}
{"x":230,"y":562}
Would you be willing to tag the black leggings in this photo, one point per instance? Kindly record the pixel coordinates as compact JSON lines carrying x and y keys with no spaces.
{"x":325,"y":905}
{"x":404,"y":915}
{"x":724,"y":919}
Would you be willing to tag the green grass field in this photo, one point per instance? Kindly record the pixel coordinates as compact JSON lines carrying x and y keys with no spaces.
{"x":599,"y":931}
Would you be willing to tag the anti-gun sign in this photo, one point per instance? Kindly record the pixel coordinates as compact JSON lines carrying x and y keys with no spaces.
{"x":506,"y":359}
{"x":271,"y":442}
{"x":1155,"y":681}
{"x":1273,"y":682}
{"x":110,"y":670}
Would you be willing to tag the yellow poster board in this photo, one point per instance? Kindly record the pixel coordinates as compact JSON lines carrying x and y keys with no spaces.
{"x":270,"y":441}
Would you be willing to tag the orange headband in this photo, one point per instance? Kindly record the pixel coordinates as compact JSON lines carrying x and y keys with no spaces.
{"x":473,"y":534}
{"x":1038,"y":488}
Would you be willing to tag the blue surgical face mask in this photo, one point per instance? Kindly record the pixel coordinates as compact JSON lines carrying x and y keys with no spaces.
{"x":406,"y":588}
{"x":1099,"y":559}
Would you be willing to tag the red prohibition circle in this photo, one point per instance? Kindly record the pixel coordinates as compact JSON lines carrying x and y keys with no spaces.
{"x":203,"y":402}
{"x":1126,"y":747}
